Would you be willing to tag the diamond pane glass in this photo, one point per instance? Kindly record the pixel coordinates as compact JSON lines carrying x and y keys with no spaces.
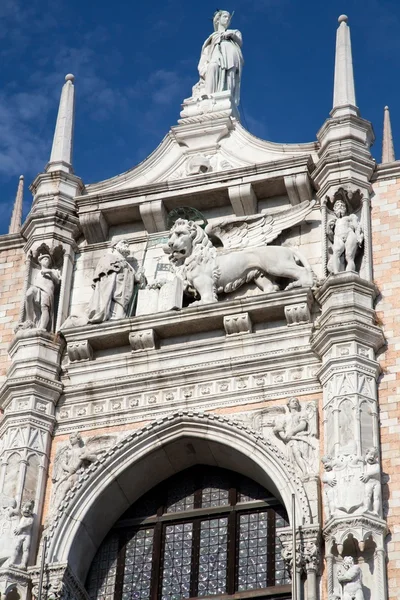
{"x":282,"y":575}
{"x":181,"y":498}
{"x":252,"y":551}
{"x":177,"y":561}
{"x":101,"y":578}
{"x":138,"y":562}
{"x":213,"y":557}
{"x":216,"y":493}
{"x":250,"y":491}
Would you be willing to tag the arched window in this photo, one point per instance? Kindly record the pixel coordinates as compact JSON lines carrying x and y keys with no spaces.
{"x":204,"y":532}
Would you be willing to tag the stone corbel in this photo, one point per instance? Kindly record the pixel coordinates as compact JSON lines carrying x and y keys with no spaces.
{"x":143,"y":340}
{"x":94,"y":227}
{"x":79,"y":351}
{"x":235,"y":324}
{"x":297,"y":314}
{"x":298,"y":188}
{"x":154,"y":216}
{"x":243,"y":199}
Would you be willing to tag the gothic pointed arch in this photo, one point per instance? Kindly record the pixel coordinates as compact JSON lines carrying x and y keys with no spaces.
{"x":150,"y":455}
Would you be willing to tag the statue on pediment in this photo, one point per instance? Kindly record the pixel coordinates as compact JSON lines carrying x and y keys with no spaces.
{"x":245,"y":256}
{"x":221,"y":60}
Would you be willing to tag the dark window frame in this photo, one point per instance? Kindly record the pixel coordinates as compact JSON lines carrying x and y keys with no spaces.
{"x":129,"y":525}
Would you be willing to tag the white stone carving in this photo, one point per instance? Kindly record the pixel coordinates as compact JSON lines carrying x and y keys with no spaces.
{"x":345,"y":232}
{"x":209,"y":271}
{"x":22,"y":537}
{"x":295,"y":427}
{"x":297,"y":314}
{"x":349,"y":577}
{"x":160,"y":297}
{"x":68,"y":465}
{"x":113,"y":285}
{"x":143,"y":340}
{"x":371,"y":478}
{"x":235,"y":324}
{"x":221,"y":60}
{"x":79,"y":350}
{"x":352,"y":484}
{"x":15,"y":532}
{"x":39,"y":297}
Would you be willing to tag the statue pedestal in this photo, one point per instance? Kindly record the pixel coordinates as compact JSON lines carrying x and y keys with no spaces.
{"x":205,"y":120}
{"x":206,"y":107}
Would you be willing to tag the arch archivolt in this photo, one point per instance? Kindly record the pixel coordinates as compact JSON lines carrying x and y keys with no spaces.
{"x":148,"y":456}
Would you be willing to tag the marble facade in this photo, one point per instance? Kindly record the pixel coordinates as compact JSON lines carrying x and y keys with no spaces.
{"x":225,"y":294}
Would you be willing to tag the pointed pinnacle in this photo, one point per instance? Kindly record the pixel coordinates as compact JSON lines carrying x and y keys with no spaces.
{"x":388,"y":154}
{"x":344,"y":97}
{"x":61,"y":152}
{"x":16,"y":217}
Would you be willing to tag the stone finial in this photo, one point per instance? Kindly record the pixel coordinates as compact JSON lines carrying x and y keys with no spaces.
{"x":388,"y":154}
{"x":16,"y":217}
{"x":344,"y":98}
{"x":61,"y":152}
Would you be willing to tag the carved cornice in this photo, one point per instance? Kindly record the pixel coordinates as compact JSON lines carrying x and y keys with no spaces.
{"x":11,"y":241}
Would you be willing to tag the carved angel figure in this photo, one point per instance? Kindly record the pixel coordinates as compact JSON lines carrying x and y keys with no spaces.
{"x":346,"y":234}
{"x":295,"y":426}
{"x":245,"y":256}
{"x":297,"y":429}
{"x":69,"y":463}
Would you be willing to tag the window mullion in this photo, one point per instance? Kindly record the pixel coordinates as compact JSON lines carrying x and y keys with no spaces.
{"x":156,"y":566}
{"x":195,"y":562}
{"x":271,"y":541}
{"x":119,"y":575}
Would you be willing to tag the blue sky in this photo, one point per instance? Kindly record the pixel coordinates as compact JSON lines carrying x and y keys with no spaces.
{"x":135,"y":62}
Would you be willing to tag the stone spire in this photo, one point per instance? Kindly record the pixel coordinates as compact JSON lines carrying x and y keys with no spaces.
{"x":387,"y":143}
{"x":344,"y":97}
{"x":16,"y":217}
{"x":61,"y":152}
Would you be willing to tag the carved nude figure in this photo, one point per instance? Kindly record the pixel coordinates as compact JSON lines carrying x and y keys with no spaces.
{"x":329,"y":480}
{"x":39,"y":299}
{"x":221,"y":60}
{"x":294,"y":429}
{"x":372,"y":480}
{"x":22,"y":537}
{"x":347,"y":235}
{"x":113,"y":285}
{"x":350,"y":578}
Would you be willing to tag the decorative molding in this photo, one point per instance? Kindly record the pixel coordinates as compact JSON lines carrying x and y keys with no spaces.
{"x":298,"y":314}
{"x":79,"y":351}
{"x":143,"y":340}
{"x":236,"y":324}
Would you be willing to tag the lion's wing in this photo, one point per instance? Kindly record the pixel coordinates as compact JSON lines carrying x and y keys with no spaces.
{"x":256,"y":230}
